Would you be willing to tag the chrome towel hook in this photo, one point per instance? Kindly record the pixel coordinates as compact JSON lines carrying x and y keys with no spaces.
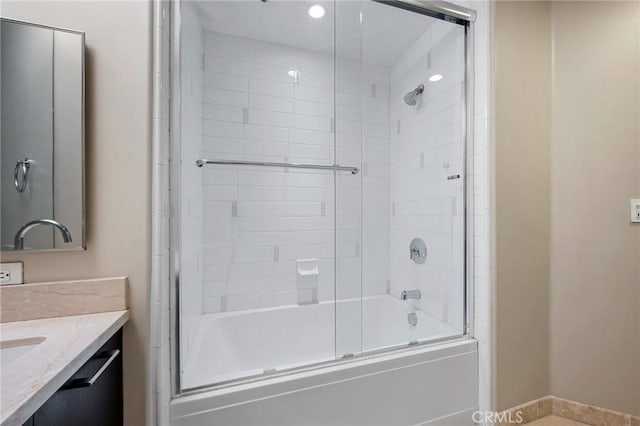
{"x":21,"y":173}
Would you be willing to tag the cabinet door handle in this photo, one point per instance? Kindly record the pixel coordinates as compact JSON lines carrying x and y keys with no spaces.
{"x":85,"y":382}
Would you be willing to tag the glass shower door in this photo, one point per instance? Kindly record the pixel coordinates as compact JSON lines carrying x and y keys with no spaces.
{"x":348,"y":91}
{"x":257,"y":238}
{"x":413,"y":135}
{"x":283,"y":266}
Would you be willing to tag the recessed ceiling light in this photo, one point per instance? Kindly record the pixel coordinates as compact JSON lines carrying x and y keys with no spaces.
{"x":435,"y":77}
{"x":316,"y":11}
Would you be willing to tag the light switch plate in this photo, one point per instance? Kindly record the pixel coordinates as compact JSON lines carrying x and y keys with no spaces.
{"x":635,"y":210}
{"x":11,"y":273}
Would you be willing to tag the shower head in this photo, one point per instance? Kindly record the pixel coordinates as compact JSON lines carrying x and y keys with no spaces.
{"x":413,"y":96}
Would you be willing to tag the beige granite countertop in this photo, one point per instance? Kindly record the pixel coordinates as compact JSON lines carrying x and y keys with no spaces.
{"x":30,"y":380}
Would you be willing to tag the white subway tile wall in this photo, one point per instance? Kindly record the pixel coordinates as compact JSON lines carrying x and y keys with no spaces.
{"x":159,"y":383}
{"x":428,"y":147}
{"x":268,"y":102}
{"x":483,"y":318}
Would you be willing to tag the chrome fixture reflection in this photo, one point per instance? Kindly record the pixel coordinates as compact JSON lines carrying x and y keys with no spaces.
{"x":21,"y":173}
{"x":295,"y":75}
{"x":411,"y":294}
{"x":18,"y":242}
{"x":418,"y":250}
{"x":413,"y":96}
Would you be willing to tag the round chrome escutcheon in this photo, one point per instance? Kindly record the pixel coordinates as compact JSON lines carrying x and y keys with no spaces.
{"x":412,"y":319}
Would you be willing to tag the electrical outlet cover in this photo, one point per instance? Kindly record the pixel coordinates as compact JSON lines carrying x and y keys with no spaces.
{"x":11,"y":273}
{"x":635,"y":210}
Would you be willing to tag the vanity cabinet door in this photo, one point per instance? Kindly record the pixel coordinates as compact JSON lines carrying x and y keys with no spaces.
{"x":93,"y":396}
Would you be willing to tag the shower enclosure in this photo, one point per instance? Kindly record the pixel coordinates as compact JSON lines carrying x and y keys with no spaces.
{"x":319,"y":182}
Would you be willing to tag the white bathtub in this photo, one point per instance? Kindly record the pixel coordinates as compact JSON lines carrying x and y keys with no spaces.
{"x":228,"y":346}
{"x":434,"y":383}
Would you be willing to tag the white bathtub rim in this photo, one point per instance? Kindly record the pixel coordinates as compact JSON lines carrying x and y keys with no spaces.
{"x":194,"y":380}
{"x":208,"y":399}
{"x":390,"y":297}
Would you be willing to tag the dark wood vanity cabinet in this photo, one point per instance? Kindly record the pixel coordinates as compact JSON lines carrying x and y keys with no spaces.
{"x":93,"y":396}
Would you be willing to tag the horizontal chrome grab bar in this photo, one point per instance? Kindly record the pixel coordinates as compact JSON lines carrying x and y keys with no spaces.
{"x":353,"y":170}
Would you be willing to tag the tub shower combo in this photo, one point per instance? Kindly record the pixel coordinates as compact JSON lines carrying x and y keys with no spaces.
{"x":319,"y":195}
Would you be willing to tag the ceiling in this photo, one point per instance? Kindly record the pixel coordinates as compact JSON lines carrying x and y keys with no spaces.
{"x":386,"y":32}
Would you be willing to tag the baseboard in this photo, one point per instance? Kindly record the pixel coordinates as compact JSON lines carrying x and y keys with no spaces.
{"x":576,"y":411}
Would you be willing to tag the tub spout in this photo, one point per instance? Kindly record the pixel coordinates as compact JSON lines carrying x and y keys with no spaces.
{"x":411,"y":294}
